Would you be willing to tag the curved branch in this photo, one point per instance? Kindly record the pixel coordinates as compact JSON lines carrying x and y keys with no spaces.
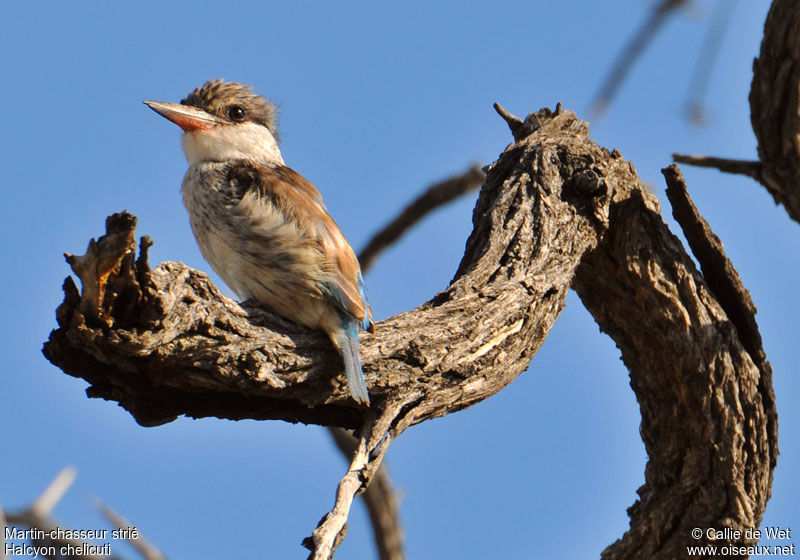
{"x":709,"y":422}
{"x":176,"y":346}
{"x":555,"y":211}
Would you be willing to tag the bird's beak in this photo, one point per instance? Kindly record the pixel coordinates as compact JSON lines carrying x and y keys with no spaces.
{"x":185,"y":116}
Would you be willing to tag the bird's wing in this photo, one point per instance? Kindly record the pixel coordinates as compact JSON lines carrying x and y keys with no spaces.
{"x":301,"y":200}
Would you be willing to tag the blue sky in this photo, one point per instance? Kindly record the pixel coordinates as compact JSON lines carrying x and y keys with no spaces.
{"x":377,"y":101}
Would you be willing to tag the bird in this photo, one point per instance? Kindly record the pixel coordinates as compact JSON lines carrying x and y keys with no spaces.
{"x":262,"y":226}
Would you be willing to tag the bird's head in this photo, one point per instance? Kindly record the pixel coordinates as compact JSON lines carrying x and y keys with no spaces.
{"x":224,"y":121}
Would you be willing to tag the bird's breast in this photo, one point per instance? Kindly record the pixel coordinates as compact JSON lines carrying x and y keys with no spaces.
{"x":257,"y":249}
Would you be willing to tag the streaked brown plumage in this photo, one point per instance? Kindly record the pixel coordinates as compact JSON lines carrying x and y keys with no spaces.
{"x":262,"y":226}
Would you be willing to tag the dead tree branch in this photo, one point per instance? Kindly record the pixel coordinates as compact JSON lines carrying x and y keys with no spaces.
{"x":736,"y":166}
{"x":556,"y":211}
{"x":181,"y":348}
{"x":718,"y":271}
{"x":376,"y":435}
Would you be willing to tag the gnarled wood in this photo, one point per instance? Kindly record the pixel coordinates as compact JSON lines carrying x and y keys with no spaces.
{"x":555,"y":211}
{"x":185,"y":349}
{"x":709,"y":422}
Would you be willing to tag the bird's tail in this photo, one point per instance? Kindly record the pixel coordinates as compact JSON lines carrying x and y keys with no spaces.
{"x":346,"y":339}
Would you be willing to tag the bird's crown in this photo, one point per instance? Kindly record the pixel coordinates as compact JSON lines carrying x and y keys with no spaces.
{"x":234,"y":102}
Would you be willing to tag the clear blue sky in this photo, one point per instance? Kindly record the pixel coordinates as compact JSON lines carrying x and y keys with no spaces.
{"x":378,"y":100}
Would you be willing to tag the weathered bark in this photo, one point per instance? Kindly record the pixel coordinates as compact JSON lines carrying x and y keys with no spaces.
{"x":775,"y":105}
{"x":709,"y":422}
{"x":555,"y":211}
{"x":184,"y":349}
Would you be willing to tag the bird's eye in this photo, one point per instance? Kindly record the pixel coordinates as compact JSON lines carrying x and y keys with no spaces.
{"x":236,"y":113}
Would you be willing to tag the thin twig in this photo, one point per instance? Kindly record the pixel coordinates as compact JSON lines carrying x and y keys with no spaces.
{"x":515,"y":124}
{"x":381,"y":501}
{"x":142,"y":545}
{"x":325,"y":535}
{"x":737,"y":166}
{"x":373,"y":441}
{"x":633,"y":50}
{"x":434,"y":197}
{"x":327,"y":532}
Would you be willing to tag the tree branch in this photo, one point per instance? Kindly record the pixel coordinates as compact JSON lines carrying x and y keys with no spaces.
{"x":555,"y":211}
{"x":718,"y":271}
{"x":47,"y":500}
{"x":376,"y":435}
{"x":708,"y":412}
{"x":736,"y":166}
{"x":182,"y":348}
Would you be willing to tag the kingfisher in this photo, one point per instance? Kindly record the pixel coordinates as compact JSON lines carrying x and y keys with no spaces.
{"x":261,"y":225}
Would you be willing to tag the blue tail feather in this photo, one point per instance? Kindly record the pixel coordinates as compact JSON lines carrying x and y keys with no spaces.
{"x":366,"y":324}
{"x":347,"y":340}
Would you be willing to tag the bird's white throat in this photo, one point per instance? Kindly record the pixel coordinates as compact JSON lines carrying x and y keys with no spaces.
{"x":230,"y":142}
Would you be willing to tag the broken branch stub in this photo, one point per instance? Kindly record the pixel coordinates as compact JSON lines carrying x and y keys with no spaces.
{"x":106,"y":270}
